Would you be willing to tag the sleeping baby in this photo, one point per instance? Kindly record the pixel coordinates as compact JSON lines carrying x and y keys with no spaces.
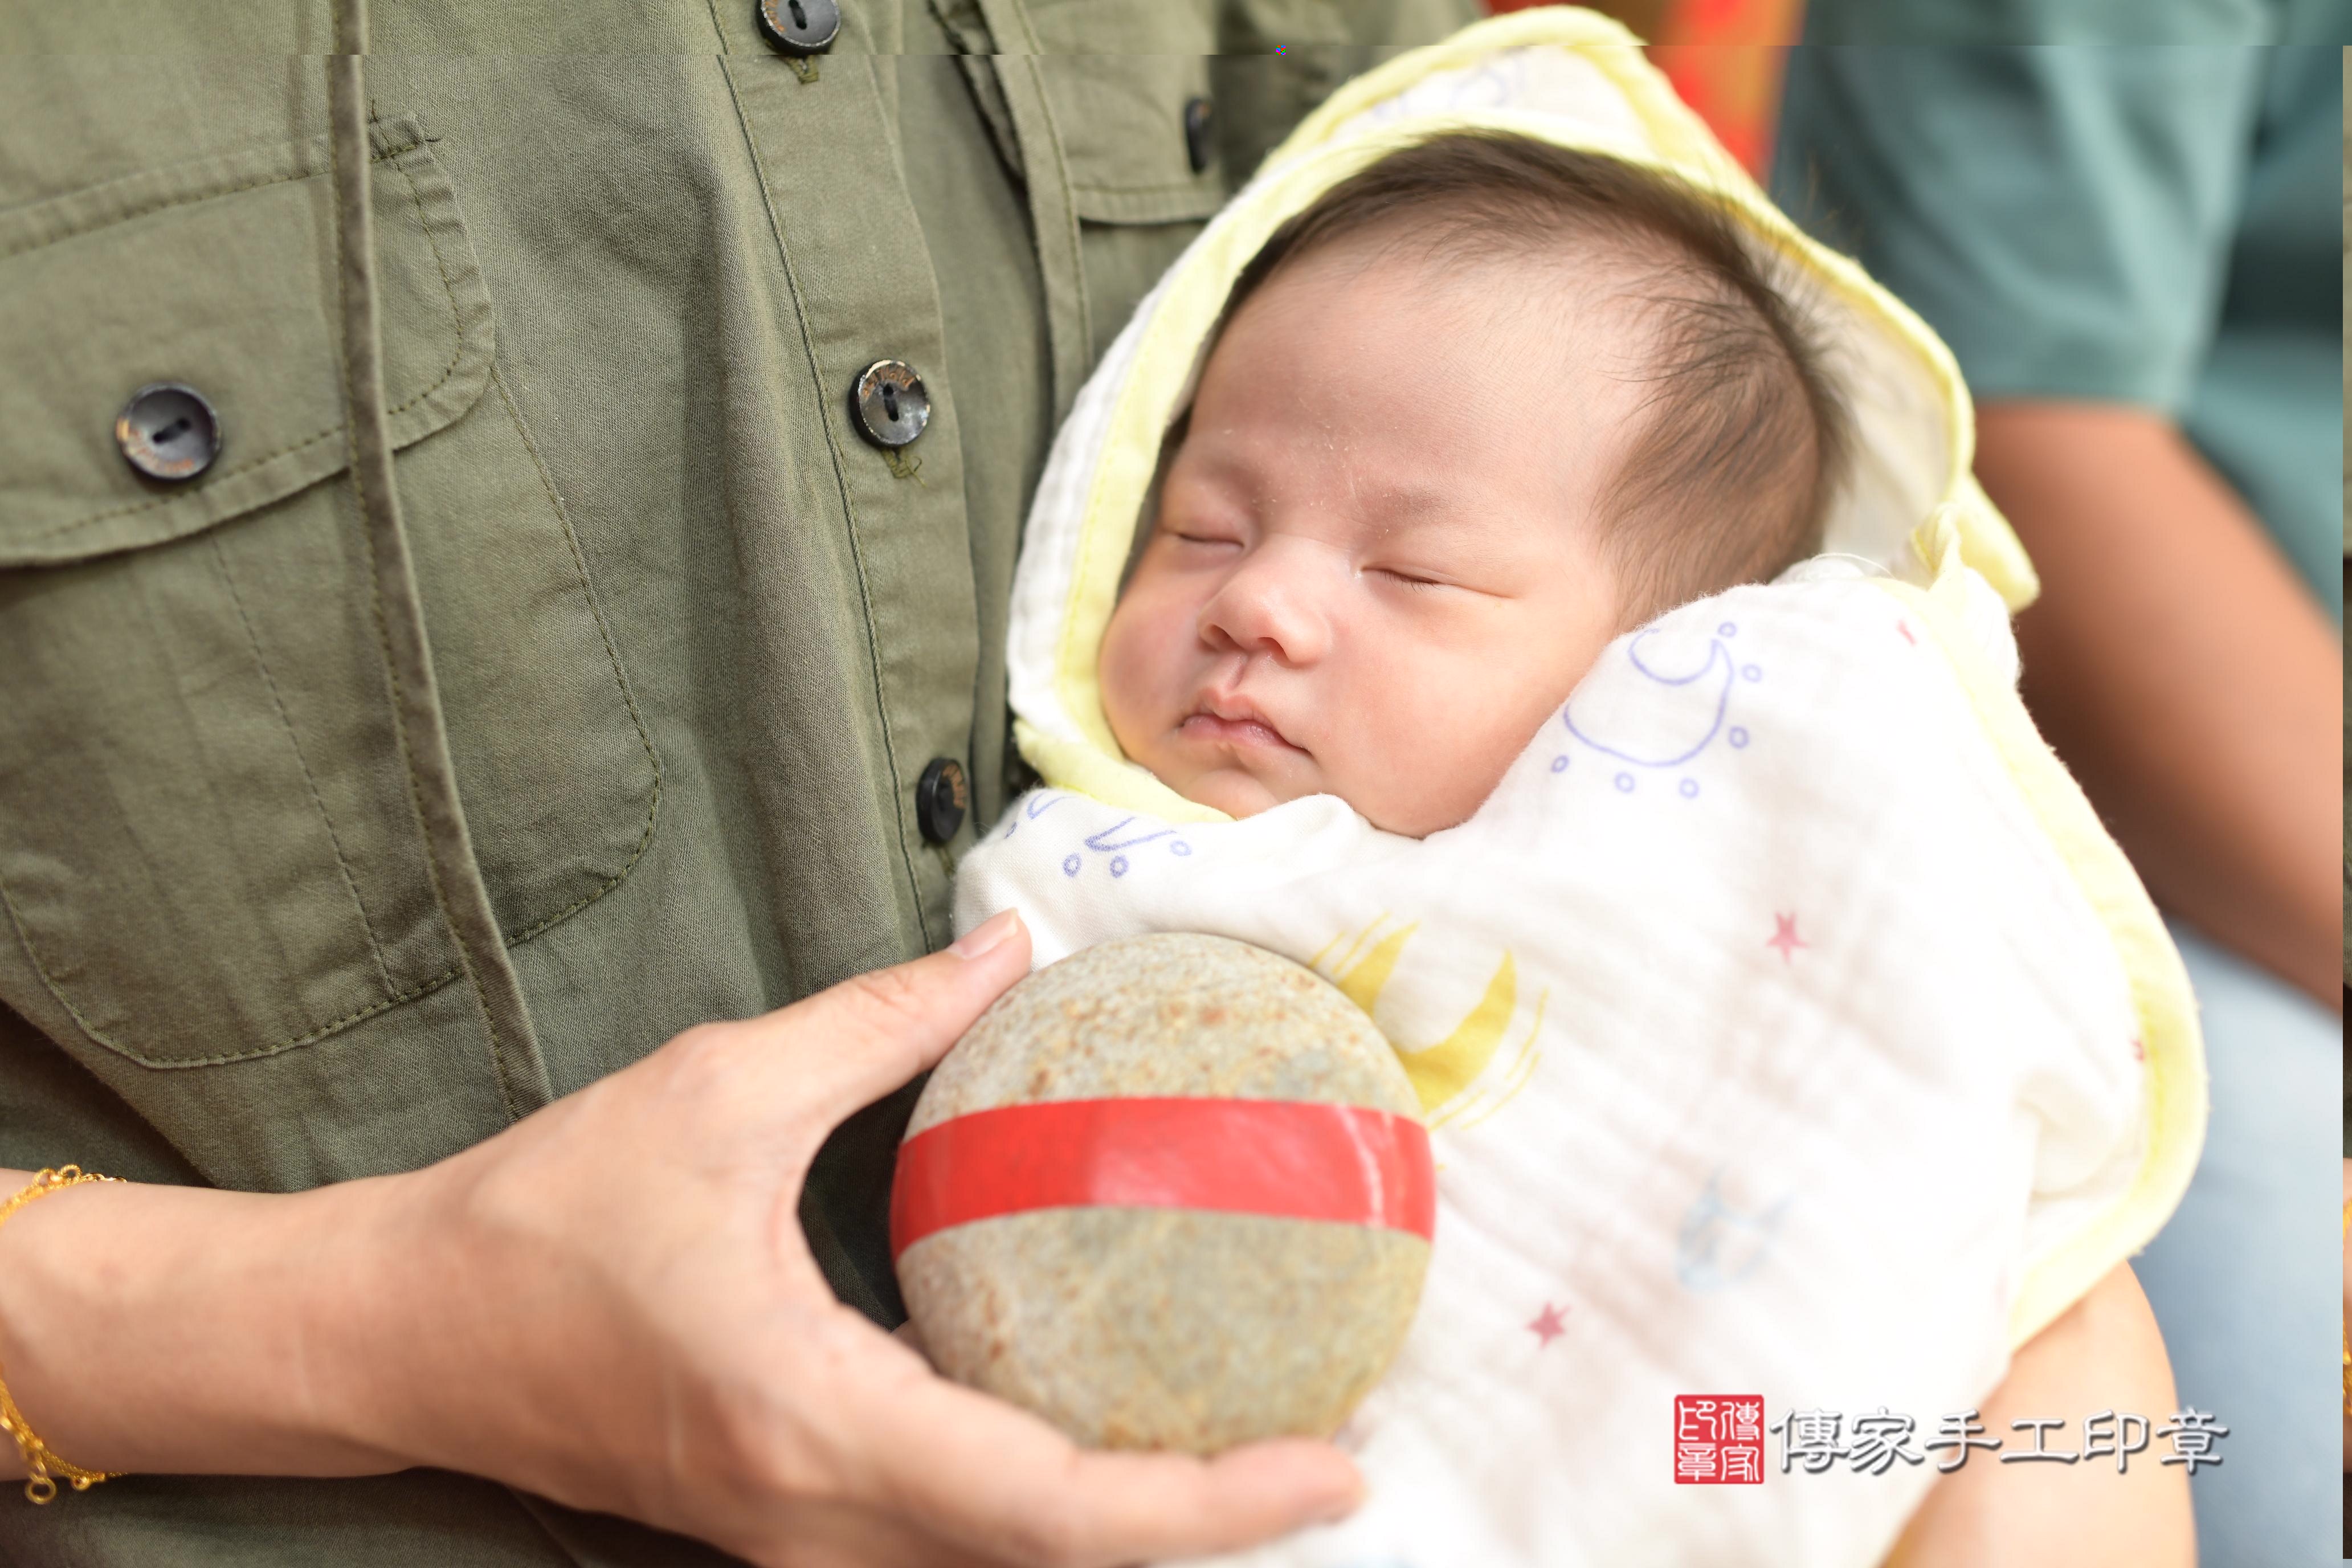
{"x":1788,"y":1032}
{"x":1478,"y":411}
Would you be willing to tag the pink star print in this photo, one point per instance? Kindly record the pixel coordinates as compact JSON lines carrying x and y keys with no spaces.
{"x":1784,"y":935}
{"x":2139,"y":1052}
{"x":1547,"y":1327}
{"x":1905,"y":627}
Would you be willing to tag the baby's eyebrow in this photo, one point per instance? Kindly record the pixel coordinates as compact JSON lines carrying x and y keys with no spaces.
{"x":1390,"y":505}
{"x":1400,"y":505}
{"x":1223,"y":471}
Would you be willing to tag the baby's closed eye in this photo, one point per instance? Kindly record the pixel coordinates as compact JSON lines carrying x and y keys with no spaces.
{"x":1408,"y":577}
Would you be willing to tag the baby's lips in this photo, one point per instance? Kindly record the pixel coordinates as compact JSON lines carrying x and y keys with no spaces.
{"x":1233,"y":716}
{"x":1251,"y":731}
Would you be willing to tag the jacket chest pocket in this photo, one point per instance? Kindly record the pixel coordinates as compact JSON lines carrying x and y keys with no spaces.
{"x":1130,"y":124}
{"x":1127,"y":83}
{"x":209,"y":844}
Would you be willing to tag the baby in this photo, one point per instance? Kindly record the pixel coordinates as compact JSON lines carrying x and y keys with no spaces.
{"x":1696,"y":910}
{"x":1473,"y":414}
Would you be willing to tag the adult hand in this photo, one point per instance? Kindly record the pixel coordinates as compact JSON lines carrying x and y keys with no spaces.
{"x":612,"y":1304}
{"x":635,"y":1260}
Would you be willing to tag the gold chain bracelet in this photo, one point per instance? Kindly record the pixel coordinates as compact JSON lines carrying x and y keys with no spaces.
{"x":43,"y":1467}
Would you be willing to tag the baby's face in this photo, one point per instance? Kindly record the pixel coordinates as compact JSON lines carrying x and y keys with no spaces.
{"x":1374,"y":572}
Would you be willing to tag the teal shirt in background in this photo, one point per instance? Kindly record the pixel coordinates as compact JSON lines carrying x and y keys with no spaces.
{"x":2154,"y":224}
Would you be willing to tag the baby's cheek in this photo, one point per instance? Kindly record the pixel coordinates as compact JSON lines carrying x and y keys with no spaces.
{"x":1118,"y":699}
{"x":1132,"y":670}
{"x":1471,"y":728}
{"x":1401,"y":753}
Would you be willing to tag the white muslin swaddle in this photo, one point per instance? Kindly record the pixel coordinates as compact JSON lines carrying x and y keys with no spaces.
{"x":1786,"y":1023}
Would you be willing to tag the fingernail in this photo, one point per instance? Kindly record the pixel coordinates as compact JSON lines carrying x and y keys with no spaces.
{"x":981,"y":938}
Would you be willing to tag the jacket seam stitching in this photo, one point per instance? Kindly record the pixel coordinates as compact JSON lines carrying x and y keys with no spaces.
{"x":309,"y":782}
{"x":611,"y":654}
{"x":391,"y":673}
{"x":25,"y":938}
{"x":189,"y":200}
{"x":1178,"y":187}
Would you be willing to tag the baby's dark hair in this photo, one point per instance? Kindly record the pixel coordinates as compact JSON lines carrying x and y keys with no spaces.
{"x":1746,"y":437}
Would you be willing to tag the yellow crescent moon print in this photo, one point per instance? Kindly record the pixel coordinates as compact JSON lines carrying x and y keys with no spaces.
{"x":1443,"y":1072}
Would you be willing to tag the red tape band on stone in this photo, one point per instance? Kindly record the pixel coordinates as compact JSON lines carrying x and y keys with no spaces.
{"x":1289,"y":1158}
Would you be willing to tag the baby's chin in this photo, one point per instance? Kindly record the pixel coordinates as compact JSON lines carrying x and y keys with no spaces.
{"x":1234,"y":791}
{"x":1239,"y":793}
{"x":1406,"y":808}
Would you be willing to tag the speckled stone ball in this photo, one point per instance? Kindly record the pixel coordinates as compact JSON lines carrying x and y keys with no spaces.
{"x":1164,"y":1327}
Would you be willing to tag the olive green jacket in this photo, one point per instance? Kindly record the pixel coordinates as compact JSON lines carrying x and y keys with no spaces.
{"x":692,"y":641}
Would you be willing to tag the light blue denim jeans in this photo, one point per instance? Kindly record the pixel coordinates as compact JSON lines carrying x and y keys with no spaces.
{"x":2244,"y":1280}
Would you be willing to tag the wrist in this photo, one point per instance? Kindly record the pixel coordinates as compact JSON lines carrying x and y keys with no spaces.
{"x":361,"y":1348}
{"x":151,"y":1328}
{"x":443,"y":1320}
{"x":48,"y":1269}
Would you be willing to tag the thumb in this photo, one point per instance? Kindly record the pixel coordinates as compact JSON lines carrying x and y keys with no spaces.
{"x":851,"y":1043}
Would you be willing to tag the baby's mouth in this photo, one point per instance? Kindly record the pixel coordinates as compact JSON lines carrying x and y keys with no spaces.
{"x":1233,"y":721}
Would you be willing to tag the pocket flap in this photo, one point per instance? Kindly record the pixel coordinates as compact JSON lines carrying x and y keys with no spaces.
{"x":1122,"y":120}
{"x":219,"y":273}
{"x":1120,"y":74}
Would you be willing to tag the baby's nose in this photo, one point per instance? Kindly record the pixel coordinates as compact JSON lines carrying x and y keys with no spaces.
{"x":1275,"y":603}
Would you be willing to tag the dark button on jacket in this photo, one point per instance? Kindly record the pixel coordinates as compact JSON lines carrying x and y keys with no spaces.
{"x":1200,"y":133}
{"x":940,"y":799}
{"x":889,"y":403}
{"x":168,"y":431}
{"x":799,"y":26}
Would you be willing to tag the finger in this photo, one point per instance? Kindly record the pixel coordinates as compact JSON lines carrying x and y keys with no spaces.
{"x":972,"y":1470}
{"x":852,"y":1043}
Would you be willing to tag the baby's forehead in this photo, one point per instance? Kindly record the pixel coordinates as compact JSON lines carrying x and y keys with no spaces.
{"x":1390,"y":490}
{"x":1516,"y":347}
{"x":1551,"y":312}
